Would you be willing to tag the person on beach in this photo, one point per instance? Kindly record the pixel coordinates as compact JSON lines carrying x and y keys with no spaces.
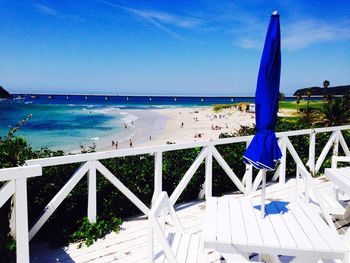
{"x":182,"y":124}
{"x":150,"y":138}
{"x":132,"y":123}
{"x":125,"y":126}
{"x":130,"y":143}
{"x":113,"y":143}
{"x":116,"y":145}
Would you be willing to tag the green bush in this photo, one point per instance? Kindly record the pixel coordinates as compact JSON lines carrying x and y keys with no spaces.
{"x":88,"y":232}
{"x":219,"y":107}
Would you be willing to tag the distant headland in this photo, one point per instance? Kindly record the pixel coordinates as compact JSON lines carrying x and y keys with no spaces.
{"x":4,"y":94}
{"x":315,"y":91}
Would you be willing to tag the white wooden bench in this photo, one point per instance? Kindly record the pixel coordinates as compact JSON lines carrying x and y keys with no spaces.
{"x":340,"y":178}
{"x":176,"y":247}
{"x":235,"y":229}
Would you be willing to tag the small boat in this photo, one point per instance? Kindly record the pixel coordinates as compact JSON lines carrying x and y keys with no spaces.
{"x":150,"y":99}
{"x":33,"y":97}
{"x":67,"y":97}
{"x":175,"y":99}
{"x":50,"y":97}
{"x":202,"y":99}
{"x":106,"y":98}
{"x":232,"y":99}
{"x":86,"y":97}
{"x":127,"y":98}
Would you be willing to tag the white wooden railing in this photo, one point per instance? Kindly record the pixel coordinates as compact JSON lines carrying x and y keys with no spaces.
{"x":91,"y":163}
{"x":16,"y":186}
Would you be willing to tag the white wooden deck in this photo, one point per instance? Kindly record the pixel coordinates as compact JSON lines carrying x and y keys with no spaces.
{"x":131,"y":244}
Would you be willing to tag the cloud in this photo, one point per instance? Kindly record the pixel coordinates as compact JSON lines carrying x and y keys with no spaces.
{"x":160,"y":19}
{"x":306,"y":33}
{"x":297,"y":35}
{"x":45,"y":10}
{"x":167,"y":18}
{"x":249,"y":43}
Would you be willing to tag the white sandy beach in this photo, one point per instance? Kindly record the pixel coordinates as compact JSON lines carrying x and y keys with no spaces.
{"x":159,"y":126}
{"x":200,"y":124}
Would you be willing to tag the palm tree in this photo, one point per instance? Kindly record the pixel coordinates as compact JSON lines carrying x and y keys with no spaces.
{"x":325,"y":86}
{"x":329,"y":97}
{"x":332,"y":114}
{"x":298,"y":100}
{"x":281,"y":96}
{"x":308,"y":95}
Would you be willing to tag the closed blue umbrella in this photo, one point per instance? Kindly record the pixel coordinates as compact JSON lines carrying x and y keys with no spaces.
{"x":263,"y":152}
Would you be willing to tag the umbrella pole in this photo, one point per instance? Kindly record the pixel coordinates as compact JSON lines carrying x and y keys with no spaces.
{"x":263,"y":193}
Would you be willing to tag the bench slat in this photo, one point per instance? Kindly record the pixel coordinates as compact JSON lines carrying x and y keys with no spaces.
{"x":266,"y":228}
{"x":224,"y":224}
{"x":281,"y":229}
{"x":251,"y":225}
{"x":238,"y":232}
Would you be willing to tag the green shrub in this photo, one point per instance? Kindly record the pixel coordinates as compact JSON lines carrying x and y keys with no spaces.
{"x":88,"y":232}
{"x":219,"y":107}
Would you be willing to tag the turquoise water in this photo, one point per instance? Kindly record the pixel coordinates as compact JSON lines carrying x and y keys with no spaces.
{"x":66,"y":121}
{"x":61,"y":126}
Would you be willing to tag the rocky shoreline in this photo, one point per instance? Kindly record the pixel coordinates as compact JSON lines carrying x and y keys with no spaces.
{"x":4,"y":94}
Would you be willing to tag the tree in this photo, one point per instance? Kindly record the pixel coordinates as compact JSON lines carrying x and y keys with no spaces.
{"x":281,"y":96}
{"x":298,"y":99}
{"x":332,"y":114}
{"x":308,"y":96}
{"x":329,"y":97}
{"x":325,"y":87}
{"x":345,"y":101}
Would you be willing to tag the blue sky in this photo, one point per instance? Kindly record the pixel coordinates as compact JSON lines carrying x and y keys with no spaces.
{"x":168,"y":47}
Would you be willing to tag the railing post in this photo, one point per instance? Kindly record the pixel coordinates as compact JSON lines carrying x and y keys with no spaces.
{"x":282,"y":168}
{"x":336,"y":145}
{"x":21,"y":211}
{"x":209,"y":173}
{"x":297,"y":178}
{"x":249,"y":175}
{"x":312,"y":155}
{"x":158,"y":175}
{"x":18,"y":177}
{"x":92,"y":207}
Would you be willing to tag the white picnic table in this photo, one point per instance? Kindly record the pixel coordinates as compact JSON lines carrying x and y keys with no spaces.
{"x":339,"y":177}
{"x":234,"y":228}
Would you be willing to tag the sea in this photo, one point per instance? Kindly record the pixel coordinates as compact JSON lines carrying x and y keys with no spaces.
{"x":61,"y":121}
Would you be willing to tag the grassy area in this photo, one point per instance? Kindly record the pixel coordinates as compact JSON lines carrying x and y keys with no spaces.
{"x":303,"y":104}
{"x":316,"y":104}
{"x":219,"y":107}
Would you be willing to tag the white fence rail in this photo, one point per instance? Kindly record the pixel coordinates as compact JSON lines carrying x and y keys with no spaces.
{"x":17,"y":187}
{"x":91,"y":164}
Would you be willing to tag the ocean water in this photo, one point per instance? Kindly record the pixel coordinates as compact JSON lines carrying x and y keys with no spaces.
{"x":64,"y":126}
{"x":66,"y":121}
